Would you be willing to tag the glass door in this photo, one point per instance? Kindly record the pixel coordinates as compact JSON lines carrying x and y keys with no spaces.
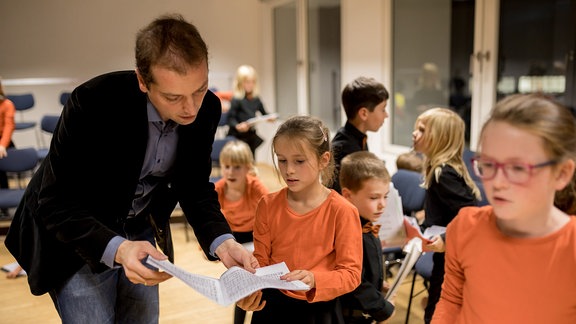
{"x":536,"y":48}
{"x":432,"y":44}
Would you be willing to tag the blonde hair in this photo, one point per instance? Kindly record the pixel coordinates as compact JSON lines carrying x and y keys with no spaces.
{"x":444,"y":139}
{"x":360,"y":166}
{"x":243,"y":73}
{"x":308,"y":132}
{"x":237,"y":153}
{"x":541,"y":116}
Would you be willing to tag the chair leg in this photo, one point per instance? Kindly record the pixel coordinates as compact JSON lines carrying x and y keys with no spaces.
{"x":410,"y":298}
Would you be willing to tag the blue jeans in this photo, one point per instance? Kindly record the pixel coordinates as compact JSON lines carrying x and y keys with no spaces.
{"x":107,"y":297}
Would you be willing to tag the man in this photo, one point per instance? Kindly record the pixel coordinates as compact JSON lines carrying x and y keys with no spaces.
{"x":129,"y":145}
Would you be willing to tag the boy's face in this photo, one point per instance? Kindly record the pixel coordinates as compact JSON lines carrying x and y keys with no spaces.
{"x":375,"y":119}
{"x":371,"y":199}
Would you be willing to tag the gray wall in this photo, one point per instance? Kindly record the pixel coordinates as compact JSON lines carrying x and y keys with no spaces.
{"x":65,"y":42}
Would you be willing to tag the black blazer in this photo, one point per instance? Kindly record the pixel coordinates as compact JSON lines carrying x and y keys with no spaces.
{"x":82,"y":192}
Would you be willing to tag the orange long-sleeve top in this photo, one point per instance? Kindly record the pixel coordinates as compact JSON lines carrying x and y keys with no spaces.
{"x":326,"y":241}
{"x":240,"y":213}
{"x":493,"y":278}
{"x":7,"y":124}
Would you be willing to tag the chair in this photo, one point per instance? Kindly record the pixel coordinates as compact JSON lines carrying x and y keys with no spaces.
{"x":17,"y":161}
{"x":23,"y":102}
{"x":423,"y":268}
{"x":47,"y":125}
{"x":408,"y":185}
{"x":215,"y":156}
{"x":64,"y":97}
{"x":222,"y":130}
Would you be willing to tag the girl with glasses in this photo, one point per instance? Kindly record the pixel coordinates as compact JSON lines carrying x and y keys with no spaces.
{"x":439,"y":135}
{"x":514,"y":261}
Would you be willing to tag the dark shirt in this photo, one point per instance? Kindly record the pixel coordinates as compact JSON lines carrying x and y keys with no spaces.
{"x":241,"y":110}
{"x":445,"y":197}
{"x":367,"y":297}
{"x":348,"y":139}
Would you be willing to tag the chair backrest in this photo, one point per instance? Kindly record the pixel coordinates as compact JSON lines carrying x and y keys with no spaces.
{"x":22,"y":101}
{"x":48,"y":123}
{"x":19,"y":160}
{"x":64,"y":97}
{"x":408,"y":185}
{"x":424,"y":265}
{"x":217,"y":148}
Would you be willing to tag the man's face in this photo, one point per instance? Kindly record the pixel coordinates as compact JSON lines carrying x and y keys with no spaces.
{"x":177,"y":97}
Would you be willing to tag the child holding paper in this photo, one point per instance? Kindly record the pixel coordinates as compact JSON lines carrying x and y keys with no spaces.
{"x":313,"y":229}
{"x":439,"y":135}
{"x":244,"y":105}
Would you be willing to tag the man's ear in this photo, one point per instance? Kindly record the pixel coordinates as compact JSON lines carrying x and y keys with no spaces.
{"x":141,"y":82}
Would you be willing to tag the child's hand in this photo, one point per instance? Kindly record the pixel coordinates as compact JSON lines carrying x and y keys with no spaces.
{"x":252,"y":302}
{"x":242,"y":127}
{"x":305,"y":276}
{"x":437,"y":244}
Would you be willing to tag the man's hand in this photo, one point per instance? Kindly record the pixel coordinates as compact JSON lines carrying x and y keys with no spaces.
{"x":130,"y":255}
{"x":232,"y":253}
{"x":3,"y":152}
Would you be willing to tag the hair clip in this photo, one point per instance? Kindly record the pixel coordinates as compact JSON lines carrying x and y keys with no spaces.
{"x":324,"y":137}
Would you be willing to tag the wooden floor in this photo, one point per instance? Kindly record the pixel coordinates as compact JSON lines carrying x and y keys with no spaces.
{"x":178,"y":302}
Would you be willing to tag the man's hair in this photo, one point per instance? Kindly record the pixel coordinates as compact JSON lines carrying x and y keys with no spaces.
{"x":360,"y":166}
{"x":362,"y":92}
{"x":170,"y":42}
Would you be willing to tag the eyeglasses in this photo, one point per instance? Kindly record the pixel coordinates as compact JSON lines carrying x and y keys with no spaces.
{"x":515,"y":172}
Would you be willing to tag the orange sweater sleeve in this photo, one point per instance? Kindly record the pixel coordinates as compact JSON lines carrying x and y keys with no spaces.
{"x":7,"y":124}
{"x":326,"y":241}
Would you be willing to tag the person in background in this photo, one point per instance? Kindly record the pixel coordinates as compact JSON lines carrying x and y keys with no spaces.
{"x":517,"y":265}
{"x":365,"y":182}
{"x":364,"y":100}
{"x":439,"y":135}
{"x":244,"y":105}
{"x":239,"y":191}
{"x":412,"y":161}
{"x":7,"y":125}
{"x":313,"y":229}
{"x":88,"y":220}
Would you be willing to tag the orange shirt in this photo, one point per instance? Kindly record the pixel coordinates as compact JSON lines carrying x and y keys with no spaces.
{"x":326,"y":240}
{"x":240,"y":214}
{"x":493,"y":278}
{"x":7,"y":112}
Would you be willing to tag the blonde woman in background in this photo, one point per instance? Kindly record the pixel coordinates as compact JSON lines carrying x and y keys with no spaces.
{"x":244,"y":105}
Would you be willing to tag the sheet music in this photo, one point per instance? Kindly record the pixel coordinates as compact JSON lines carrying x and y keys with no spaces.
{"x":257,"y":119}
{"x":413,"y":250}
{"x":392,"y":232}
{"x":235,"y":283}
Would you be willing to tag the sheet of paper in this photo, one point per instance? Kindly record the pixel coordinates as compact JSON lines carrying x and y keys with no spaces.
{"x":234,"y":284}
{"x":257,"y":119}
{"x":392,"y":232}
{"x":413,"y":250}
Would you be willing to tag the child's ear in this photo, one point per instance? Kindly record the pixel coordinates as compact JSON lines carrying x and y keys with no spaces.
{"x":346,"y":193}
{"x":363,"y":113}
{"x":565,"y":174}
